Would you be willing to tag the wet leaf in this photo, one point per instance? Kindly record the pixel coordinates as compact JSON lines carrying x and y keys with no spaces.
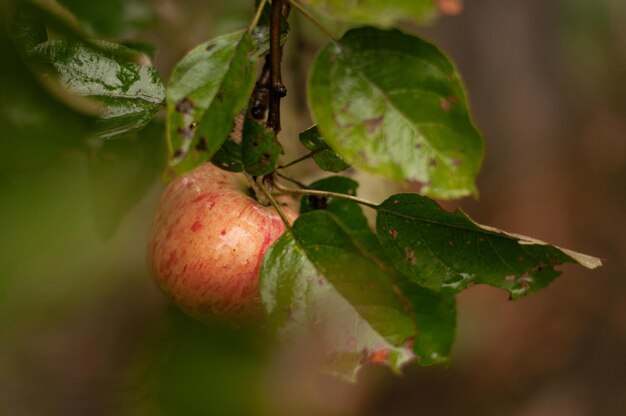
{"x":379,"y":12}
{"x":324,"y":156}
{"x":131,"y":91}
{"x":318,"y":280}
{"x":407,"y":119}
{"x":207,"y":90}
{"x":260,"y":149}
{"x":445,"y":250}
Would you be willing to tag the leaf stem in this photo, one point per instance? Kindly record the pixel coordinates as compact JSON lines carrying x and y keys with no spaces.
{"x":300,"y":159}
{"x":313,"y":20}
{"x":257,"y":16}
{"x":326,"y":194}
{"x":274,"y":203}
{"x":287,"y":178}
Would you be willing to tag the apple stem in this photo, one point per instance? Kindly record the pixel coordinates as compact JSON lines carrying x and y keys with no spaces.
{"x":256,"y":189}
{"x":274,"y":203}
{"x":326,"y":194}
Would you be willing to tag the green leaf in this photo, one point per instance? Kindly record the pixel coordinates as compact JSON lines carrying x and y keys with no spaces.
{"x":447,"y":250}
{"x":398,"y":109}
{"x":228,"y":157}
{"x":434,"y":313}
{"x":348,"y":212}
{"x":316,"y":279}
{"x":207,"y":90}
{"x":435,"y":317}
{"x":380,"y":12}
{"x":324,"y":156}
{"x":260,"y":148}
{"x":112,"y":18}
{"x":130,"y":91}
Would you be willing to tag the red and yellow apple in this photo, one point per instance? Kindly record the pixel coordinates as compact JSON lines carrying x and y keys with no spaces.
{"x":208,"y":240}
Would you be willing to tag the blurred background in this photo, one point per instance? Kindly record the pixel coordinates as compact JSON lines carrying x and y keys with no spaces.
{"x":84,"y":331}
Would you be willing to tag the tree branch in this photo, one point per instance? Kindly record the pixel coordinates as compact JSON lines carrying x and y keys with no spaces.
{"x":277,"y":89}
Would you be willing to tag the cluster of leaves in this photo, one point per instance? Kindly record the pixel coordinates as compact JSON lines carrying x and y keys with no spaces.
{"x":398,"y":109}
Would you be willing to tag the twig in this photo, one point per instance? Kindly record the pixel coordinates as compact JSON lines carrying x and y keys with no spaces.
{"x":277,"y":89}
{"x":261,"y":93}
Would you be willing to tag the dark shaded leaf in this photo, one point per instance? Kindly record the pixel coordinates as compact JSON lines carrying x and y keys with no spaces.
{"x":228,"y":157}
{"x":406,"y":119}
{"x":26,"y":26}
{"x":324,"y":156}
{"x":130,"y":92}
{"x":447,"y":250}
{"x":317,"y":279}
{"x":260,"y":148}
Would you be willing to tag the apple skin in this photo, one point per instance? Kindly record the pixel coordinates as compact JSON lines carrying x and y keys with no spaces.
{"x":207,"y":243}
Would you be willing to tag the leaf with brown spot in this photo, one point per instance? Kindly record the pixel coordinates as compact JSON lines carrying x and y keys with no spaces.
{"x":393,"y":104}
{"x":447,"y":251}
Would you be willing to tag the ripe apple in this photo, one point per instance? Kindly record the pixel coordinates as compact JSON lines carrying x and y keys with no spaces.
{"x":207,"y":243}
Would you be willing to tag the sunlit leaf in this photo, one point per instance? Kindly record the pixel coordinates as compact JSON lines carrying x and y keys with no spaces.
{"x":398,"y":109}
{"x":131,"y":91}
{"x":447,"y":250}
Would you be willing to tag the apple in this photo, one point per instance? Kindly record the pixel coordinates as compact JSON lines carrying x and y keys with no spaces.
{"x":207,"y":243}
